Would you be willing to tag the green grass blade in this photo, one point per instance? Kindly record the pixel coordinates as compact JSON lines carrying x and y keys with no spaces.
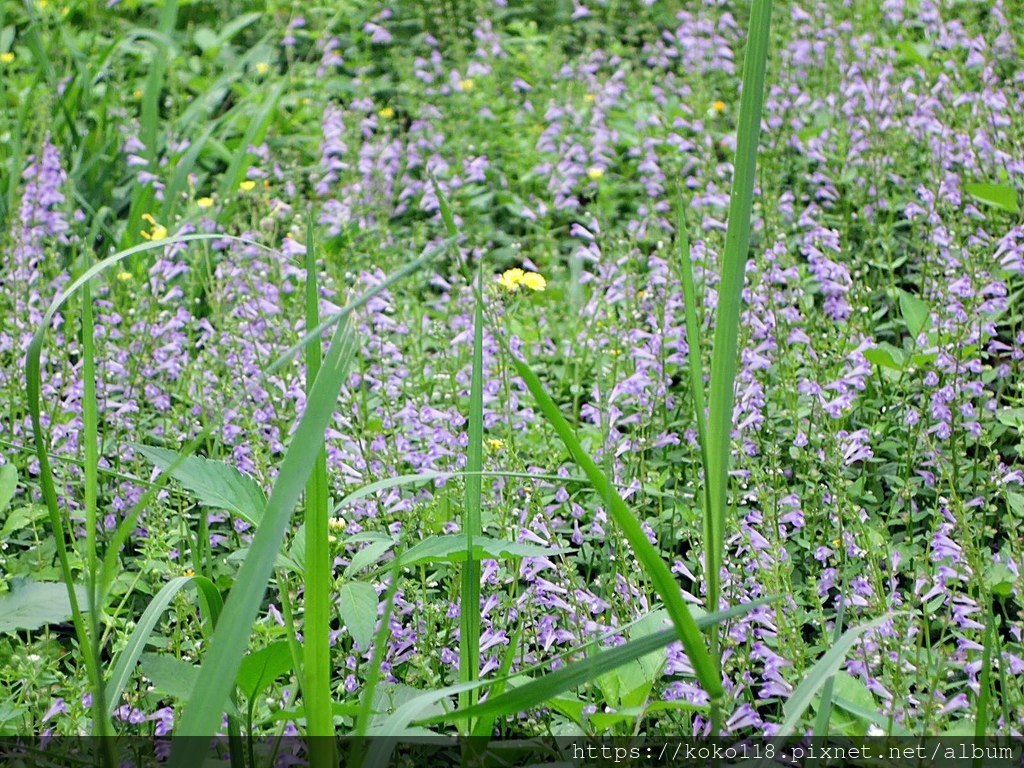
{"x":150,"y":111}
{"x":824,"y":670}
{"x":318,"y":572}
{"x":540,"y":690}
{"x":90,"y":424}
{"x":469,"y":613}
{"x":130,"y":654}
{"x":726,"y":350}
{"x":201,"y":715}
{"x":255,"y":130}
{"x":655,"y":567}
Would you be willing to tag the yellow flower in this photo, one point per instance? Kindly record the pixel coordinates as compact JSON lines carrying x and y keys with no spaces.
{"x":387,"y":112}
{"x":137,"y":94}
{"x":595,"y":173}
{"x":7,"y":57}
{"x":157,"y":232}
{"x":336,"y":524}
{"x":467,"y":84}
{"x":188,"y":572}
{"x":205,"y":202}
{"x":534,"y":282}
{"x":718,"y":106}
{"x":124,"y":276}
{"x":511,"y":279}
{"x":495,"y":444}
{"x":247,"y":186}
{"x":263,"y":67}
{"x":588,"y":97}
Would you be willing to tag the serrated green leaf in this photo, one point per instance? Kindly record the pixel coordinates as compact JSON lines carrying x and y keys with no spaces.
{"x":999,"y":579}
{"x":260,"y":668}
{"x":33,"y":604}
{"x":368,"y":555}
{"x":915,"y":313}
{"x":886,"y":356}
{"x":452,"y":549}
{"x":212,"y":483}
{"x":1001,"y":196}
{"x":359,"y":611}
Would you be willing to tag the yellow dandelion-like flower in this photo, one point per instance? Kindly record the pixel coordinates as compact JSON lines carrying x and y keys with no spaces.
{"x":188,"y":572}
{"x":495,"y":444}
{"x":534,"y":282}
{"x":336,"y":524}
{"x":262,"y":67}
{"x":718,"y":106}
{"x":247,"y":186}
{"x":205,"y":202}
{"x":137,"y":94}
{"x":387,"y":113}
{"x":589,"y":97}
{"x":467,"y":84}
{"x":124,"y":276}
{"x":595,"y":173}
{"x":7,"y":57}
{"x":510,"y":279}
{"x":157,"y":231}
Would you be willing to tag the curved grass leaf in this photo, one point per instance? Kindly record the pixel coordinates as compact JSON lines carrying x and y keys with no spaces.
{"x":822,"y":671}
{"x":654,"y":566}
{"x":129,"y":655}
{"x":202,"y":714}
{"x":539,"y":690}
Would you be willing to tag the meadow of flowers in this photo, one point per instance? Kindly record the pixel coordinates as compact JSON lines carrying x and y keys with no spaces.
{"x":486,"y":186}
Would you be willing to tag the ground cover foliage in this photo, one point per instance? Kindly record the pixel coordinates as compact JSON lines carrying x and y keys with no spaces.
{"x":876,"y":481}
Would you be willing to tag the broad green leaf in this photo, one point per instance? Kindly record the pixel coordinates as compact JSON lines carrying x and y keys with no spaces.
{"x":359,"y":611}
{"x":1011,"y":417}
{"x":8,"y":484}
{"x":452,"y":549}
{"x":999,"y":579}
{"x":1015,"y":501}
{"x":1001,"y":196}
{"x":212,"y":483}
{"x":915,"y":313}
{"x":368,"y":555}
{"x":887,"y":356}
{"x":22,"y":517}
{"x":169,"y":675}
{"x":33,"y":604}
{"x":849,"y":689}
{"x":260,"y":668}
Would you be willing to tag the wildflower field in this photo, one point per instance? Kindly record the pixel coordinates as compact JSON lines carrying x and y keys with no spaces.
{"x":449,"y":367}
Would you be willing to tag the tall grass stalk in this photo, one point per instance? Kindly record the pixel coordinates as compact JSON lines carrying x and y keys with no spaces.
{"x":469,"y":603}
{"x":316,"y":676}
{"x":718,"y":434}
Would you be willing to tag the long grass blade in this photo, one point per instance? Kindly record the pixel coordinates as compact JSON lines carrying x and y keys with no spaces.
{"x":540,"y":690}
{"x":824,"y":670}
{"x":726,"y":350}
{"x":318,"y":581}
{"x":651,"y":561}
{"x":201,"y":716}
